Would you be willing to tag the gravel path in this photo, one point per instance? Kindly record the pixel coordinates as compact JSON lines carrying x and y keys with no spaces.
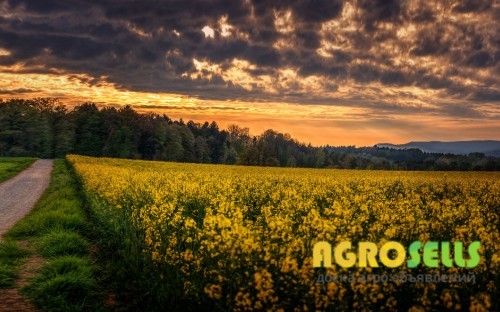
{"x":19,"y":194}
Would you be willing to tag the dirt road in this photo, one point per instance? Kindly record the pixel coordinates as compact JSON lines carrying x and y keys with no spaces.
{"x":19,"y":194}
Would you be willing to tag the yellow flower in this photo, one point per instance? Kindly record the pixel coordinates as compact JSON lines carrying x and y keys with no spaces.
{"x":250,"y":230}
{"x":213,"y":291}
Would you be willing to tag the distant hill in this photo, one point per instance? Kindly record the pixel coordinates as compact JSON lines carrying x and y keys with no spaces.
{"x":488,"y":147}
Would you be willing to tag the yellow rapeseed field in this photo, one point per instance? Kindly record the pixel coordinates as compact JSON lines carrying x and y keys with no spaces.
{"x":241,"y":238}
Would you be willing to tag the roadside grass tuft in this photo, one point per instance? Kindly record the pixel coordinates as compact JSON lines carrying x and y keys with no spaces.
{"x":8,"y":276}
{"x":11,"y":253}
{"x":11,"y":256}
{"x":61,"y":243}
{"x":62,"y":283}
{"x":48,"y":220}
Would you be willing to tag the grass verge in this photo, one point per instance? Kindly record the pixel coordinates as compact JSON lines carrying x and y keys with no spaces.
{"x":11,"y":257}
{"x":10,"y":166}
{"x":57,"y":229}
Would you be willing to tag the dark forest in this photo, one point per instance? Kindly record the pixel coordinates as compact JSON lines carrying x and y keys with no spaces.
{"x":45,"y":128}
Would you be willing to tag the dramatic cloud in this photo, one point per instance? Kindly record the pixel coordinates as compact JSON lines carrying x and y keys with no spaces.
{"x":392,"y":58}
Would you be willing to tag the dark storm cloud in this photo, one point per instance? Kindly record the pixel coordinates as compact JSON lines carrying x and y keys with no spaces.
{"x":481,"y":59}
{"x":375,"y":11}
{"x":150,"y":45}
{"x":193,"y":108}
{"x":430,"y":41}
{"x":18,"y":91}
{"x":466,"y":6}
{"x":462,"y":111}
{"x":47,"y":6}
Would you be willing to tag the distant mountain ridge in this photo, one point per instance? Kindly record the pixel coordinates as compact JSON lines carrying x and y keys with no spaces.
{"x":488,"y":147}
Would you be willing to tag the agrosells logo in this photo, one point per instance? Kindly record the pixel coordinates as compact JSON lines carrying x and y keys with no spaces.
{"x":433,"y":254}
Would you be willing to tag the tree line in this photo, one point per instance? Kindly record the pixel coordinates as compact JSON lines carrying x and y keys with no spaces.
{"x":44,"y":127}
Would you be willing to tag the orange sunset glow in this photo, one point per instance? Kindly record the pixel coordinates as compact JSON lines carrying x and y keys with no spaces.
{"x":326,"y":72}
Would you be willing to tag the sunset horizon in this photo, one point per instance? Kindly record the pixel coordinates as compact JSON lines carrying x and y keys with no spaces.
{"x":306,"y":134}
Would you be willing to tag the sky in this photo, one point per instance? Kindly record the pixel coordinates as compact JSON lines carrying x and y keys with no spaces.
{"x":325,"y":71}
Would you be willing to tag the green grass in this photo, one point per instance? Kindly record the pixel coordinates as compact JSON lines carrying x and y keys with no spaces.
{"x":63,"y":285}
{"x":11,"y":256}
{"x":62,"y":243}
{"x":57,"y":228}
{"x":50,"y":217}
{"x":10,"y":166}
{"x":8,"y":276}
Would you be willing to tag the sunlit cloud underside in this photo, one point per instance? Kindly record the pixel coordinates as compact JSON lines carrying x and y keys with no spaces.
{"x":318,"y":124}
